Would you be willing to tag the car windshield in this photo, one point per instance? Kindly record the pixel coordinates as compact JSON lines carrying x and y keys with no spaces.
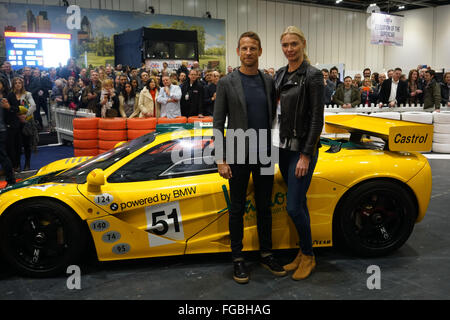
{"x":78,"y":174}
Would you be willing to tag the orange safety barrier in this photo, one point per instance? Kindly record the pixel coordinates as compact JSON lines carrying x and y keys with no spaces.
{"x":141,"y":123}
{"x":85,"y":123}
{"x":112,"y":123}
{"x":85,"y":152}
{"x":85,"y":144}
{"x":200,"y":119}
{"x":112,"y":135}
{"x":85,"y":134}
{"x":173,"y":120}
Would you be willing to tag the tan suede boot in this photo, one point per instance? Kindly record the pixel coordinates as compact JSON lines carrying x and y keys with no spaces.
{"x":307,"y":264}
{"x":294,"y":264}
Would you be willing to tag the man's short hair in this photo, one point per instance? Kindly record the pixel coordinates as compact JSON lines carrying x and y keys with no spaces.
{"x":325,"y":70}
{"x":334,"y":68}
{"x":251,"y":35}
{"x":348,"y":77}
{"x":431,"y":72}
{"x":398,"y":69}
{"x":366,"y":69}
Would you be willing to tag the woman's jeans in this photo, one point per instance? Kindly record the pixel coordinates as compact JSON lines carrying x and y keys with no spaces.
{"x":296,"y":197}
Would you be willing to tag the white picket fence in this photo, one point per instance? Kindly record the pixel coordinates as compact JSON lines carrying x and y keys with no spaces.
{"x":63,"y":121}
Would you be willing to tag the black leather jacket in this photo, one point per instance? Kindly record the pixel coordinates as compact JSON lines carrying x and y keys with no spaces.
{"x":302,"y":106}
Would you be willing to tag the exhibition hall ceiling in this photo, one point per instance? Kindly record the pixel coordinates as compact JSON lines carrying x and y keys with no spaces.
{"x":385,"y":6}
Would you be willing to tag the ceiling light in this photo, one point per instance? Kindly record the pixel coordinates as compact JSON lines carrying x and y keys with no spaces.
{"x":338,"y":1}
{"x":373,"y":4}
{"x":401,"y":7}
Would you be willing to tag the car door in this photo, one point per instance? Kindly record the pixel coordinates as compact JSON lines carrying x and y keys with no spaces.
{"x":169,"y":193}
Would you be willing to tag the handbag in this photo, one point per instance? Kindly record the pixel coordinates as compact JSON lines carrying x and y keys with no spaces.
{"x":28,"y":129}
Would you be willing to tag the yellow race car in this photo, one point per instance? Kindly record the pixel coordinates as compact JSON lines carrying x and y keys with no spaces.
{"x":134,"y":201}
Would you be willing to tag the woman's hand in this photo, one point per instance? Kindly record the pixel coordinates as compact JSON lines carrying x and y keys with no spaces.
{"x":302,"y":166}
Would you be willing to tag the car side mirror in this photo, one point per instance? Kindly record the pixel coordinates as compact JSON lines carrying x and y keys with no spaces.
{"x":95,"y":179}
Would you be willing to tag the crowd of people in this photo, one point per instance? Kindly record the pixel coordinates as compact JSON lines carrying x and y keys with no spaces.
{"x":128,"y":92}
{"x":389,"y":89}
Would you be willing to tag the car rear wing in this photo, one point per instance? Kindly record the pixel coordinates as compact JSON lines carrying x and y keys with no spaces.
{"x":398,"y":135}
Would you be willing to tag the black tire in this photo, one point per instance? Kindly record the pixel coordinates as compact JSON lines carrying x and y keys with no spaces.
{"x":41,"y":238}
{"x":375,"y":218}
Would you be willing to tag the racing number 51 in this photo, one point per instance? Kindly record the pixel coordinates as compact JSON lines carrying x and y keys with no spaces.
{"x":162,"y":222}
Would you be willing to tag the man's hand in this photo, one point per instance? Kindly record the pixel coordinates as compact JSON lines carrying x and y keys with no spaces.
{"x":224,"y":170}
{"x":391,"y":104}
{"x":302,"y":166}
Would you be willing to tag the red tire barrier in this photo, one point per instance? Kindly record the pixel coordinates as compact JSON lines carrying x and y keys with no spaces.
{"x":112,"y":123}
{"x":85,"y":123}
{"x":198,"y":119}
{"x":85,"y":134}
{"x":85,"y":152}
{"x":141,"y":123}
{"x":108,"y":144}
{"x":112,"y":135}
{"x":85,"y":144}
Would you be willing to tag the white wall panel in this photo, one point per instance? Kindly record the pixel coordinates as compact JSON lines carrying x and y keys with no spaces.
{"x":417,"y":41}
{"x":232,"y":32}
{"x":262,"y":30}
{"x":442,"y":44}
{"x":189,"y":8}
{"x":273,"y":42}
{"x":177,"y":7}
{"x":242,"y":17}
{"x":165,"y":7}
{"x":327,"y":36}
{"x":271,"y":37}
{"x":87,"y":3}
{"x":200,"y":8}
{"x":252,"y":15}
{"x":211,"y":6}
{"x":312,"y":34}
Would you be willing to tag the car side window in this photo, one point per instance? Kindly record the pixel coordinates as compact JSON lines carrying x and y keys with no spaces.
{"x":177,"y":158}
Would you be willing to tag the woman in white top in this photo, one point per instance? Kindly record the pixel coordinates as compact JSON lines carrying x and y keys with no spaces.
{"x":148,"y":104}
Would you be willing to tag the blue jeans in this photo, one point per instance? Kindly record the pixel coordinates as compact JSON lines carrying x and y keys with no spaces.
{"x":296,"y":196}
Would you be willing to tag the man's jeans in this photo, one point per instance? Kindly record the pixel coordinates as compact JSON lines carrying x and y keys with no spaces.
{"x":296,"y":199}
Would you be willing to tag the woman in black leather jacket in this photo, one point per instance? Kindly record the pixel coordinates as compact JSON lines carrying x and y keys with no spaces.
{"x":300,"y":90}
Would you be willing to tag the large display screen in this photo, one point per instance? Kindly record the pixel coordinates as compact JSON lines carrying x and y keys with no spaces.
{"x":42,"y":50}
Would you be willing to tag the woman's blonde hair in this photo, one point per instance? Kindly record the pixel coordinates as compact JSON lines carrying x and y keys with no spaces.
{"x":108,"y":82}
{"x":298,"y":33}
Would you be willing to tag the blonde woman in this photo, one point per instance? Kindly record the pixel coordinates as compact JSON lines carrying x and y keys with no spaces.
{"x":22,"y":100}
{"x":300,"y":89}
{"x":148,"y":106}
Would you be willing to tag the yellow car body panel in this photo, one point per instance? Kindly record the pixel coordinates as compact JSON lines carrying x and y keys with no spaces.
{"x":188,"y":215}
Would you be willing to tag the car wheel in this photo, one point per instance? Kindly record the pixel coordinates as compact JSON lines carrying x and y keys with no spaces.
{"x":375,"y":218}
{"x":41,"y":238}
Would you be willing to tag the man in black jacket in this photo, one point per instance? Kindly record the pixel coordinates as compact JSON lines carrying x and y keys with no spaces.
{"x":247,"y":97}
{"x":210,"y":94}
{"x":192,"y":96}
{"x":39,"y":87}
{"x":393,"y":92}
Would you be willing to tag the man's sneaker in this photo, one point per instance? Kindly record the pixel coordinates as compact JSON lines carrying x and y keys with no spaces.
{"x":272,"y":265}
{"x":240,"y":274}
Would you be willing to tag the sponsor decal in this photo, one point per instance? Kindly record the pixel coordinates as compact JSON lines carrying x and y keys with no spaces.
{"x":399,"y":138}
